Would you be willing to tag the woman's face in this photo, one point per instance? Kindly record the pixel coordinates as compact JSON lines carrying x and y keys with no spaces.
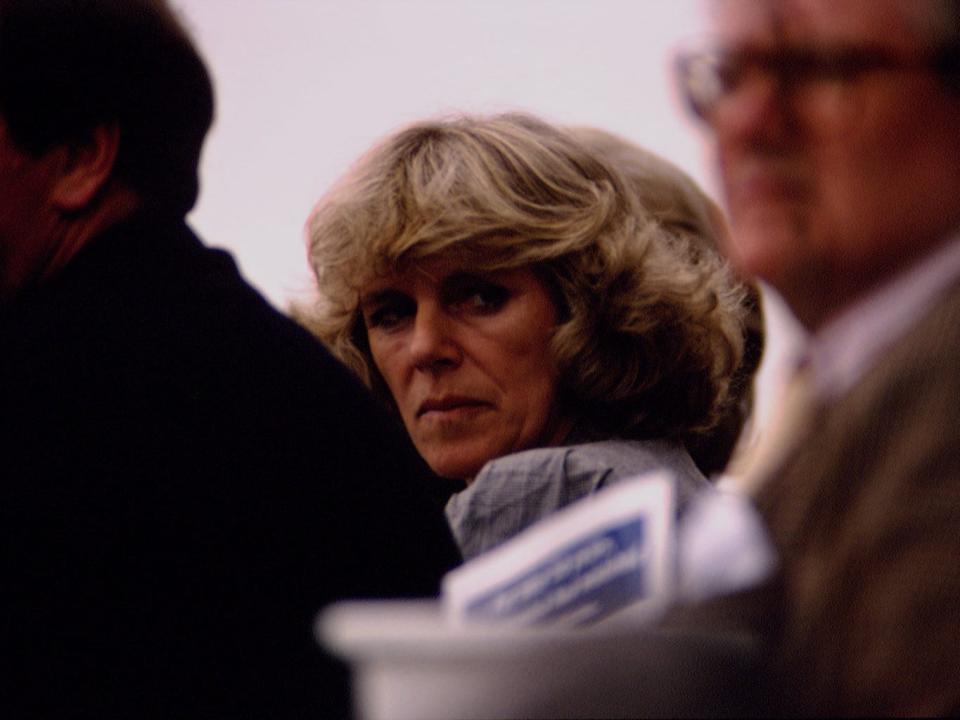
{"x":466,"y":356}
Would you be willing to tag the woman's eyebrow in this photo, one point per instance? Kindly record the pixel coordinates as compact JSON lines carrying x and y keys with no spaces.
{"x":464,"y":276}
{"x":375,"y":297}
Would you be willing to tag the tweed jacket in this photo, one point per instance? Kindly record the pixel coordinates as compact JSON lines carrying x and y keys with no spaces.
{"x":866,"y":517}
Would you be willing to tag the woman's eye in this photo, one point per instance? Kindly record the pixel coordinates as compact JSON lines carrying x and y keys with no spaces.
{"x":482,"y":297}
{"x":389,"y":315}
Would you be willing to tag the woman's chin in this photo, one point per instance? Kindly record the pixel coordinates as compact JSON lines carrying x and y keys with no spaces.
{"x":456,"y":465}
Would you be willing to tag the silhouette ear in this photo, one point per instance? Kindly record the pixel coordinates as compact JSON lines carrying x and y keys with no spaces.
{"x":86,"y":168}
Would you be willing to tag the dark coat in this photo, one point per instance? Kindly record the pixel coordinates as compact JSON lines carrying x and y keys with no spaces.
{"x":187,"y":478}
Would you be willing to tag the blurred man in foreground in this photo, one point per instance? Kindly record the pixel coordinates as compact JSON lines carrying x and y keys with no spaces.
{"x":187,"y":478}
{"x":837,"y":127}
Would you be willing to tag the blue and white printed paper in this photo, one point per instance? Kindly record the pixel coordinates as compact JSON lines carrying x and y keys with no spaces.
{"x":608,"y":555}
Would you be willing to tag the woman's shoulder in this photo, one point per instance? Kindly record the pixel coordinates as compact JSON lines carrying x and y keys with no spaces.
{"x":596,"y":463}
{"x":514,"y":491}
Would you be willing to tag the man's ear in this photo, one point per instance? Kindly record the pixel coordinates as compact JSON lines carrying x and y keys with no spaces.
{"x":86,"y":168}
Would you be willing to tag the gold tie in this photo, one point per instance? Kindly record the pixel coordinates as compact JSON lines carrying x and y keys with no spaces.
{"x":750,"y":468}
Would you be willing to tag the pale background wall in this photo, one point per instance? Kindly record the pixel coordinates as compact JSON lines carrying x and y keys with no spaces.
{"x":305,"y":86}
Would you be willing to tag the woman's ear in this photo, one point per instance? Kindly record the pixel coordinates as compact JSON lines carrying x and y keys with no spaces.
{"x":86,"y":168}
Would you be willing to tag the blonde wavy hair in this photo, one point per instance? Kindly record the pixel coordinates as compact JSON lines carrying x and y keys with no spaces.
{"x":696,"y":226}
{"x":648,"y":337}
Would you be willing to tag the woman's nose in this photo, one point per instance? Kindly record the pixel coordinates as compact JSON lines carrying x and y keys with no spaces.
{"x":432,"y":342}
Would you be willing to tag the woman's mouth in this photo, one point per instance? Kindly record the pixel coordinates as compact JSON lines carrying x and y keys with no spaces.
{"x":450,"y":406}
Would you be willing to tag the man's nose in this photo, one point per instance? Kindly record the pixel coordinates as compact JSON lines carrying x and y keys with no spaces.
{"x":433,"y":344}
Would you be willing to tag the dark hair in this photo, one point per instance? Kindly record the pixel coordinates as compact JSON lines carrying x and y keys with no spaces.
{"x":70,"y":66}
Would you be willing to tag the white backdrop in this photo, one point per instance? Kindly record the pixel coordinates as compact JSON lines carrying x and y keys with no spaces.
{"x":305,"y":86}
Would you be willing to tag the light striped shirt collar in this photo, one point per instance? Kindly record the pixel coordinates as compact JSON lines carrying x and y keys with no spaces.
{"x":849,"y":345}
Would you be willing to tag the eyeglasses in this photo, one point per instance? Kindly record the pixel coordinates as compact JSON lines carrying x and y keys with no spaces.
{"x":708,"y":77}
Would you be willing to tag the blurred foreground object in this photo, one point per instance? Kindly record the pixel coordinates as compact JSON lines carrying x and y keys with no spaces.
{"x":408,"y":662}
